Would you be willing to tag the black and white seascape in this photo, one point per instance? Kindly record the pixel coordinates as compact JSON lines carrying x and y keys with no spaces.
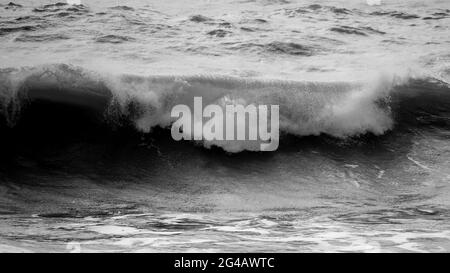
{"x":88,"y":161}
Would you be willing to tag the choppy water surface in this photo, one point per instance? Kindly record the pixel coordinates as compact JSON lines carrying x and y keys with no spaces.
{"x":87,"y":162}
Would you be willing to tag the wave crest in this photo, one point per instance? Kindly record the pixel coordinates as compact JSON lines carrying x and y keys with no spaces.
{"x":337,"y":109}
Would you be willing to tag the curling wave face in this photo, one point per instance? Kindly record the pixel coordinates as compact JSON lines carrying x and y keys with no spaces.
{"x":341,"y":110}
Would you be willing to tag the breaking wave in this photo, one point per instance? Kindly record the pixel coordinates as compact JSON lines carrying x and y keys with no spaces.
{"x":341,"y":110}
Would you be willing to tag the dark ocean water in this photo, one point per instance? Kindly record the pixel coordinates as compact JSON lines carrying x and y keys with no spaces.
{"x":87,"y":162}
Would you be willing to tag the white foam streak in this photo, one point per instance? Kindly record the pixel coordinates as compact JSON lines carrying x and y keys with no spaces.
{"x":339,"y":110}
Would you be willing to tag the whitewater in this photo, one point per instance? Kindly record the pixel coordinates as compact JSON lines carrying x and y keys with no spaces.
{"x":86,"y":92}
